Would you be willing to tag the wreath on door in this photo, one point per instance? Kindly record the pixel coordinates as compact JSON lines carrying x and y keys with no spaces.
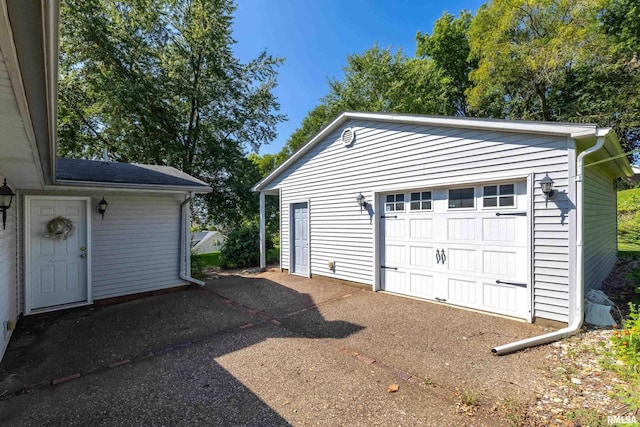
{"x":59,"y":228}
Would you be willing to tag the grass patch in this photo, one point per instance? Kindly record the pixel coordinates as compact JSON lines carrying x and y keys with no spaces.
{"x":629,"y":223}
{"x":628,"y":250}
{"x":514,"y":411}
{"x":211,"y":259}
{"x":629,"y":200}
{"x":586,"y":417}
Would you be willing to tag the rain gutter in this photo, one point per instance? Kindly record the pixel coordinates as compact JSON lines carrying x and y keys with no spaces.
{"x":578,"y":313}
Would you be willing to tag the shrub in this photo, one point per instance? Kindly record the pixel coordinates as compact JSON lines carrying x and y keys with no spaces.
{"x":197,"y":268}
{"x":242,"y":247}
{"x":626,"y":341}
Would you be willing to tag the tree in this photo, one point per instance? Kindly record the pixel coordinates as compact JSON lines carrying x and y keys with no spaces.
{"x":448,"y":47}
{"x":155,"y":81}
{"x":569,"y":60}
{"x":524,"y":49}
{"x":379,"y":80}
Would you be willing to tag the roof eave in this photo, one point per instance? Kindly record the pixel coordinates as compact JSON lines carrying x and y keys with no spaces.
{"x":67,"y":184}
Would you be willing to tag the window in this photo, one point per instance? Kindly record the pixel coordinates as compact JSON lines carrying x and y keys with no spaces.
{"x":461,"y":198}
{"x":498,"y":195}
{"x":420,"y":201}
{"x":394,"y":202}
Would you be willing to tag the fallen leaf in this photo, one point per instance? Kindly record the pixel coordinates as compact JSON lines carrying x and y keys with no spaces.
{"x":392,"y":388}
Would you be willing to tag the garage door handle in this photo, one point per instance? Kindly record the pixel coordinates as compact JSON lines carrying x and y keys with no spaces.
{"x":444,"y":258}
{"x":522,"y":285}
{"x":389,"y":268}
{"x":511,"y":214}
{"x":437,"y":256}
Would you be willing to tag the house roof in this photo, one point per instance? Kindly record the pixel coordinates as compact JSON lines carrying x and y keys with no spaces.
{"x":125,"y":175}
{"x":576,"y":131}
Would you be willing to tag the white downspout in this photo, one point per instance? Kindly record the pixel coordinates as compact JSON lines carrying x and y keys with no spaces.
{"x":185,"y":250}
{"x":578,"y":313}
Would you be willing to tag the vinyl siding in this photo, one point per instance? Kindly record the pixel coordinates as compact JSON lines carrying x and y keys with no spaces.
{"x":8,"y":278}
{"x":137,"y":246}
{"x":394,"y":156}
{"x":599,"y":239}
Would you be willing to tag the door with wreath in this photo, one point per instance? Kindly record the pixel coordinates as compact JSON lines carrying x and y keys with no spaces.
{"x":57,"y":251}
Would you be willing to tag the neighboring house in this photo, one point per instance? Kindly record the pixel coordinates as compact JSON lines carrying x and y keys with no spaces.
{"x":203,"y":242}
{"x":452,"y":210}
{"x":138,"y":244}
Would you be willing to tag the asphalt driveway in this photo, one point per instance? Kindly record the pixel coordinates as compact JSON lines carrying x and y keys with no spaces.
{"x":265,"y":349}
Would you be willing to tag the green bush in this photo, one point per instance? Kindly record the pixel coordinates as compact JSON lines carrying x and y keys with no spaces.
{"x":626,"y":341}
{"x":197,"y":268}
{"x":242,"y":247}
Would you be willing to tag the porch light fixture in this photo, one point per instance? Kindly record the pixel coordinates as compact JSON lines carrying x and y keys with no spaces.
{"x":102,"y":207}
{"x":546,"y":185}
{"x":361,"y":201}
{"x":6,"y":196}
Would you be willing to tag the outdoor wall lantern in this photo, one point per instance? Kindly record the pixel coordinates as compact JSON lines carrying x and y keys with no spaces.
{"x":6,"y":196}
{"x":102,"y":207}
{"x":361,"y":201}
{"x":546,"y":184}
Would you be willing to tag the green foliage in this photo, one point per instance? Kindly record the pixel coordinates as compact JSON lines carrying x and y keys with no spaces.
{"x":448,"y":48}
{"x":586,"y":417}
{"x":378,"y":80}
{"x":211,"y":259}
{"x":626,"y":348}
{"x":242,"y":247}
{"x":524,"y":49}
{"x":273,"y":255}
{"x":381,"y":80}
{"x":197,"y":268}
{"x":628,"y":250}
{"x":156,"y":81}
{"x":629,"y":200}
{"x":568,"y":60}
{"x":629,"y":219}
{"x":626,"y":341}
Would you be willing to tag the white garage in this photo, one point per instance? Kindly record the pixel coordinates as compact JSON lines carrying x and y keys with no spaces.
{"x":512,"y":218}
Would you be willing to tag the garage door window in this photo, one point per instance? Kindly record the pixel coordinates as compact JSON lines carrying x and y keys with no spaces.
{"x":394,"y":202}
{"x":461,"y":198}
{"x":498,"y":196}
{"x":420,"y":201}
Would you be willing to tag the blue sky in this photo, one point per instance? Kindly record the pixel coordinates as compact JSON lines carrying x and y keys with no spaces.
{"x":315,"y":37}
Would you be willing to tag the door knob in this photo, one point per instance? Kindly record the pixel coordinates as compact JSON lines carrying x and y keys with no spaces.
{"x":83,"y":256}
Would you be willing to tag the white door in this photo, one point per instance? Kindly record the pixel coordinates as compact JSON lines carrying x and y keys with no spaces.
{"x":57,"y":268}
{"x":464,"y":245}
{"x":300,"y":239}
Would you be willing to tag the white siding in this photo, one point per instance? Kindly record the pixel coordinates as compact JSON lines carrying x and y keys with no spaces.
{"x":137,"y":246}
{"x":8,"y":278}
{"x":599,"y":237}
{"x":387,"y":156}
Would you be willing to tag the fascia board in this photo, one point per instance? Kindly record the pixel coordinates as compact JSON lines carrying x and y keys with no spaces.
{"x":84,"y":185}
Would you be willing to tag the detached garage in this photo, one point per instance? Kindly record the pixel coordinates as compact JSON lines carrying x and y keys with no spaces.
{"x":508,"y":217}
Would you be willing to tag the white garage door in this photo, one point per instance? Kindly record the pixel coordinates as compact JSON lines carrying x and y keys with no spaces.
{"x":465,"y":246}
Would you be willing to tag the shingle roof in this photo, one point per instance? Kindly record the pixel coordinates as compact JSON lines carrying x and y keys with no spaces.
{"x":126,"y":174}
